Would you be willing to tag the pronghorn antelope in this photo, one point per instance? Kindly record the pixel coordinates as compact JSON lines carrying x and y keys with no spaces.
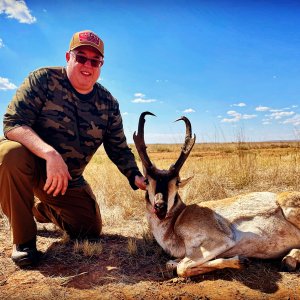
{"x":217,"y":234}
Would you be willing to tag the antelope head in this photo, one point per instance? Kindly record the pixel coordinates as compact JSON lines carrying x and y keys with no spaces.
{"x":163,"y":185}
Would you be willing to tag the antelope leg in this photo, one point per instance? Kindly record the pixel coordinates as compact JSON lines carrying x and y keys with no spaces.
{"x":291,"y":260}
{"x":171,"y":265}
{"x":188,"y":267}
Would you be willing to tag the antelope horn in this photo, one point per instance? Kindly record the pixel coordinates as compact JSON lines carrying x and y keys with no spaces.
{"x":139,"y":141}
{"x":186,"y":148}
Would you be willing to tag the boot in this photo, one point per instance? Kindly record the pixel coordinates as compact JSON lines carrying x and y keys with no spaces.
{"x":25,"y":254}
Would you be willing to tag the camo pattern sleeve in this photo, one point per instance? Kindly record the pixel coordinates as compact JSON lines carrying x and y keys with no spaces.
{"x":74,"y":124}
{"x":26,"y":103}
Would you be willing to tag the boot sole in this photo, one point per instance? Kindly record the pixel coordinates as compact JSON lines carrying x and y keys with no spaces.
{"x":28,"y":261}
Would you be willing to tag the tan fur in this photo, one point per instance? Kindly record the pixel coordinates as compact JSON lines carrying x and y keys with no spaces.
{"x":290,"y":205}
{"x":217,"y":234}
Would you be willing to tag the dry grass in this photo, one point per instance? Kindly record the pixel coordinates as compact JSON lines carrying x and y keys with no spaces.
{"x":219,"y":171}
{"x":127,"y":254}
{"x":87,"y":248}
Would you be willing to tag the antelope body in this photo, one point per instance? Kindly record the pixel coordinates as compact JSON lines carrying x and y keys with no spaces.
{"x":217,"y":234}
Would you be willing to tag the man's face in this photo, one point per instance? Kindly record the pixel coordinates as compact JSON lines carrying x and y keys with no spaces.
{"x":81,"y":72}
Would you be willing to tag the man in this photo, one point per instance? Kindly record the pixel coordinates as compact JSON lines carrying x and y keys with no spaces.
{"x":54,"y":124}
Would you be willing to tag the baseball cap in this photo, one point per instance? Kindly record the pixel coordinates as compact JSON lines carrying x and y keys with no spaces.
{"x":87,"y":38}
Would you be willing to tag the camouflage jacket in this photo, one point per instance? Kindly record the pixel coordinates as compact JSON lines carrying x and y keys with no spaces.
{"x":74,"y":124}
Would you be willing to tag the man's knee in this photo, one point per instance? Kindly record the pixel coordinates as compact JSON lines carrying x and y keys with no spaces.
{"x":81,"y":227}
{"x":14,"y":155}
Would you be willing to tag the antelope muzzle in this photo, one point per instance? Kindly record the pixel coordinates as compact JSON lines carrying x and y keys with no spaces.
{"x":160,"y":206}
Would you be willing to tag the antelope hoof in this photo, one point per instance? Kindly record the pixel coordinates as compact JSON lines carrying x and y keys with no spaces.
{"x":288,"y":264}
{"x":171,"y":265}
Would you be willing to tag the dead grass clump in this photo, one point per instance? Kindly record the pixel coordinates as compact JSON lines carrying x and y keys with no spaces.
{"x":132,"y":246}
{"x":87,"y":248}
{"x":242,"y":169}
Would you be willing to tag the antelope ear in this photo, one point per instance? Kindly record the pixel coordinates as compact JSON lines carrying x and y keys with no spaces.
{"x":183,"y":182}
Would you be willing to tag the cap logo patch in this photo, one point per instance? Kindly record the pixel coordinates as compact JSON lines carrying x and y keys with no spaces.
{"x":89,"y":37}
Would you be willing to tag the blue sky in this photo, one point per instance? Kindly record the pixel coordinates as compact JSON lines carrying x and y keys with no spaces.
{"x":231,"y":67}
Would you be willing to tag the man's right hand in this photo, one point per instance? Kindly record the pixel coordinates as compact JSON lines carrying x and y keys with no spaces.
{"x":57,"y":171}
{"x":58,"y":175}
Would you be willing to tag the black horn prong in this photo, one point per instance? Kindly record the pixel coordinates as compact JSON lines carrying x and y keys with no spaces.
{"x":187,"y":146}
{"x":142,"y":121}
{"x":141,"y":148}
{"x":188,"y":126}
{"x":139,"y":141}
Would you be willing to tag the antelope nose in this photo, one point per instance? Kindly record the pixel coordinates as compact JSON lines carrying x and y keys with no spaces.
{"x":160,"y":205}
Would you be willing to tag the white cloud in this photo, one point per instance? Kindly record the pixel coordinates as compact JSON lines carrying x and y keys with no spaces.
{"x":16,"y":9}
{"x":189,"y":110}
{"x":275,"y":110}
{"x":140,"y":98}
{"x":139,"y":95}
{"x":1,"y":43}
{"x":236,"y":117}
{"x":295,"y":120}
{"x":233,"y":113}
{"x":241,"y":104}
{"x":226,"y":120}
{"x":248,"y":117}
{"x":280,"y":114}
{"x":262,"y":108}
{"x":6,"y":85}
{"x":125,"y":113}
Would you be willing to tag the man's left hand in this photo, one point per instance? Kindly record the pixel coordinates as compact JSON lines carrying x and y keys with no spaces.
{"x":139,"y":181}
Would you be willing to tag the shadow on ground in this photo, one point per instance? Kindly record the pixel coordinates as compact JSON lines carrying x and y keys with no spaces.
{"x":260,"y":275}
{"x":130,"y":260}
{"x":122,"y":260}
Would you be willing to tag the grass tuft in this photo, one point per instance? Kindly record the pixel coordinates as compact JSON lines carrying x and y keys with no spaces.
{"x":87,"y":248}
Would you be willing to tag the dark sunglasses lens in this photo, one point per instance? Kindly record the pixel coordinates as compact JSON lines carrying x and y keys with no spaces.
{"x":81,"y":59}
{"x":95,"y":63}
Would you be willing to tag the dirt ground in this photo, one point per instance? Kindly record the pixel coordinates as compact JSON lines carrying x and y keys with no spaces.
{"x":121,"y":271}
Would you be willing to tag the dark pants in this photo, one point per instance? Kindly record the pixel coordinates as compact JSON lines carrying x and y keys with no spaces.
{"x":22,"y":176}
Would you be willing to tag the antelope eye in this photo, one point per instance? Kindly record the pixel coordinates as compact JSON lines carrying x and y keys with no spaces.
{"x":146,"y":181}
{"x":178,"y":182}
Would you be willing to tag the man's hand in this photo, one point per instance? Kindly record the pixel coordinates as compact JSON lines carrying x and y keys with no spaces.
{"x":57,"y":171}
{"x":139,"y":181}
{"x":58,"y":175}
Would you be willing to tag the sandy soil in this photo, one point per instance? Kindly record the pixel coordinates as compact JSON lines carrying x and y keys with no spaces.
{"x":119,"y":271}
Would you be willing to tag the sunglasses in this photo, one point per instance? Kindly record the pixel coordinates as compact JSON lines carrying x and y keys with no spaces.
{"x":82,"y":60}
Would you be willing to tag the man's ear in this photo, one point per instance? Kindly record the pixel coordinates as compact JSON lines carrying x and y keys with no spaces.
{"x":68,"y":56}
{"x":183,"y":182}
